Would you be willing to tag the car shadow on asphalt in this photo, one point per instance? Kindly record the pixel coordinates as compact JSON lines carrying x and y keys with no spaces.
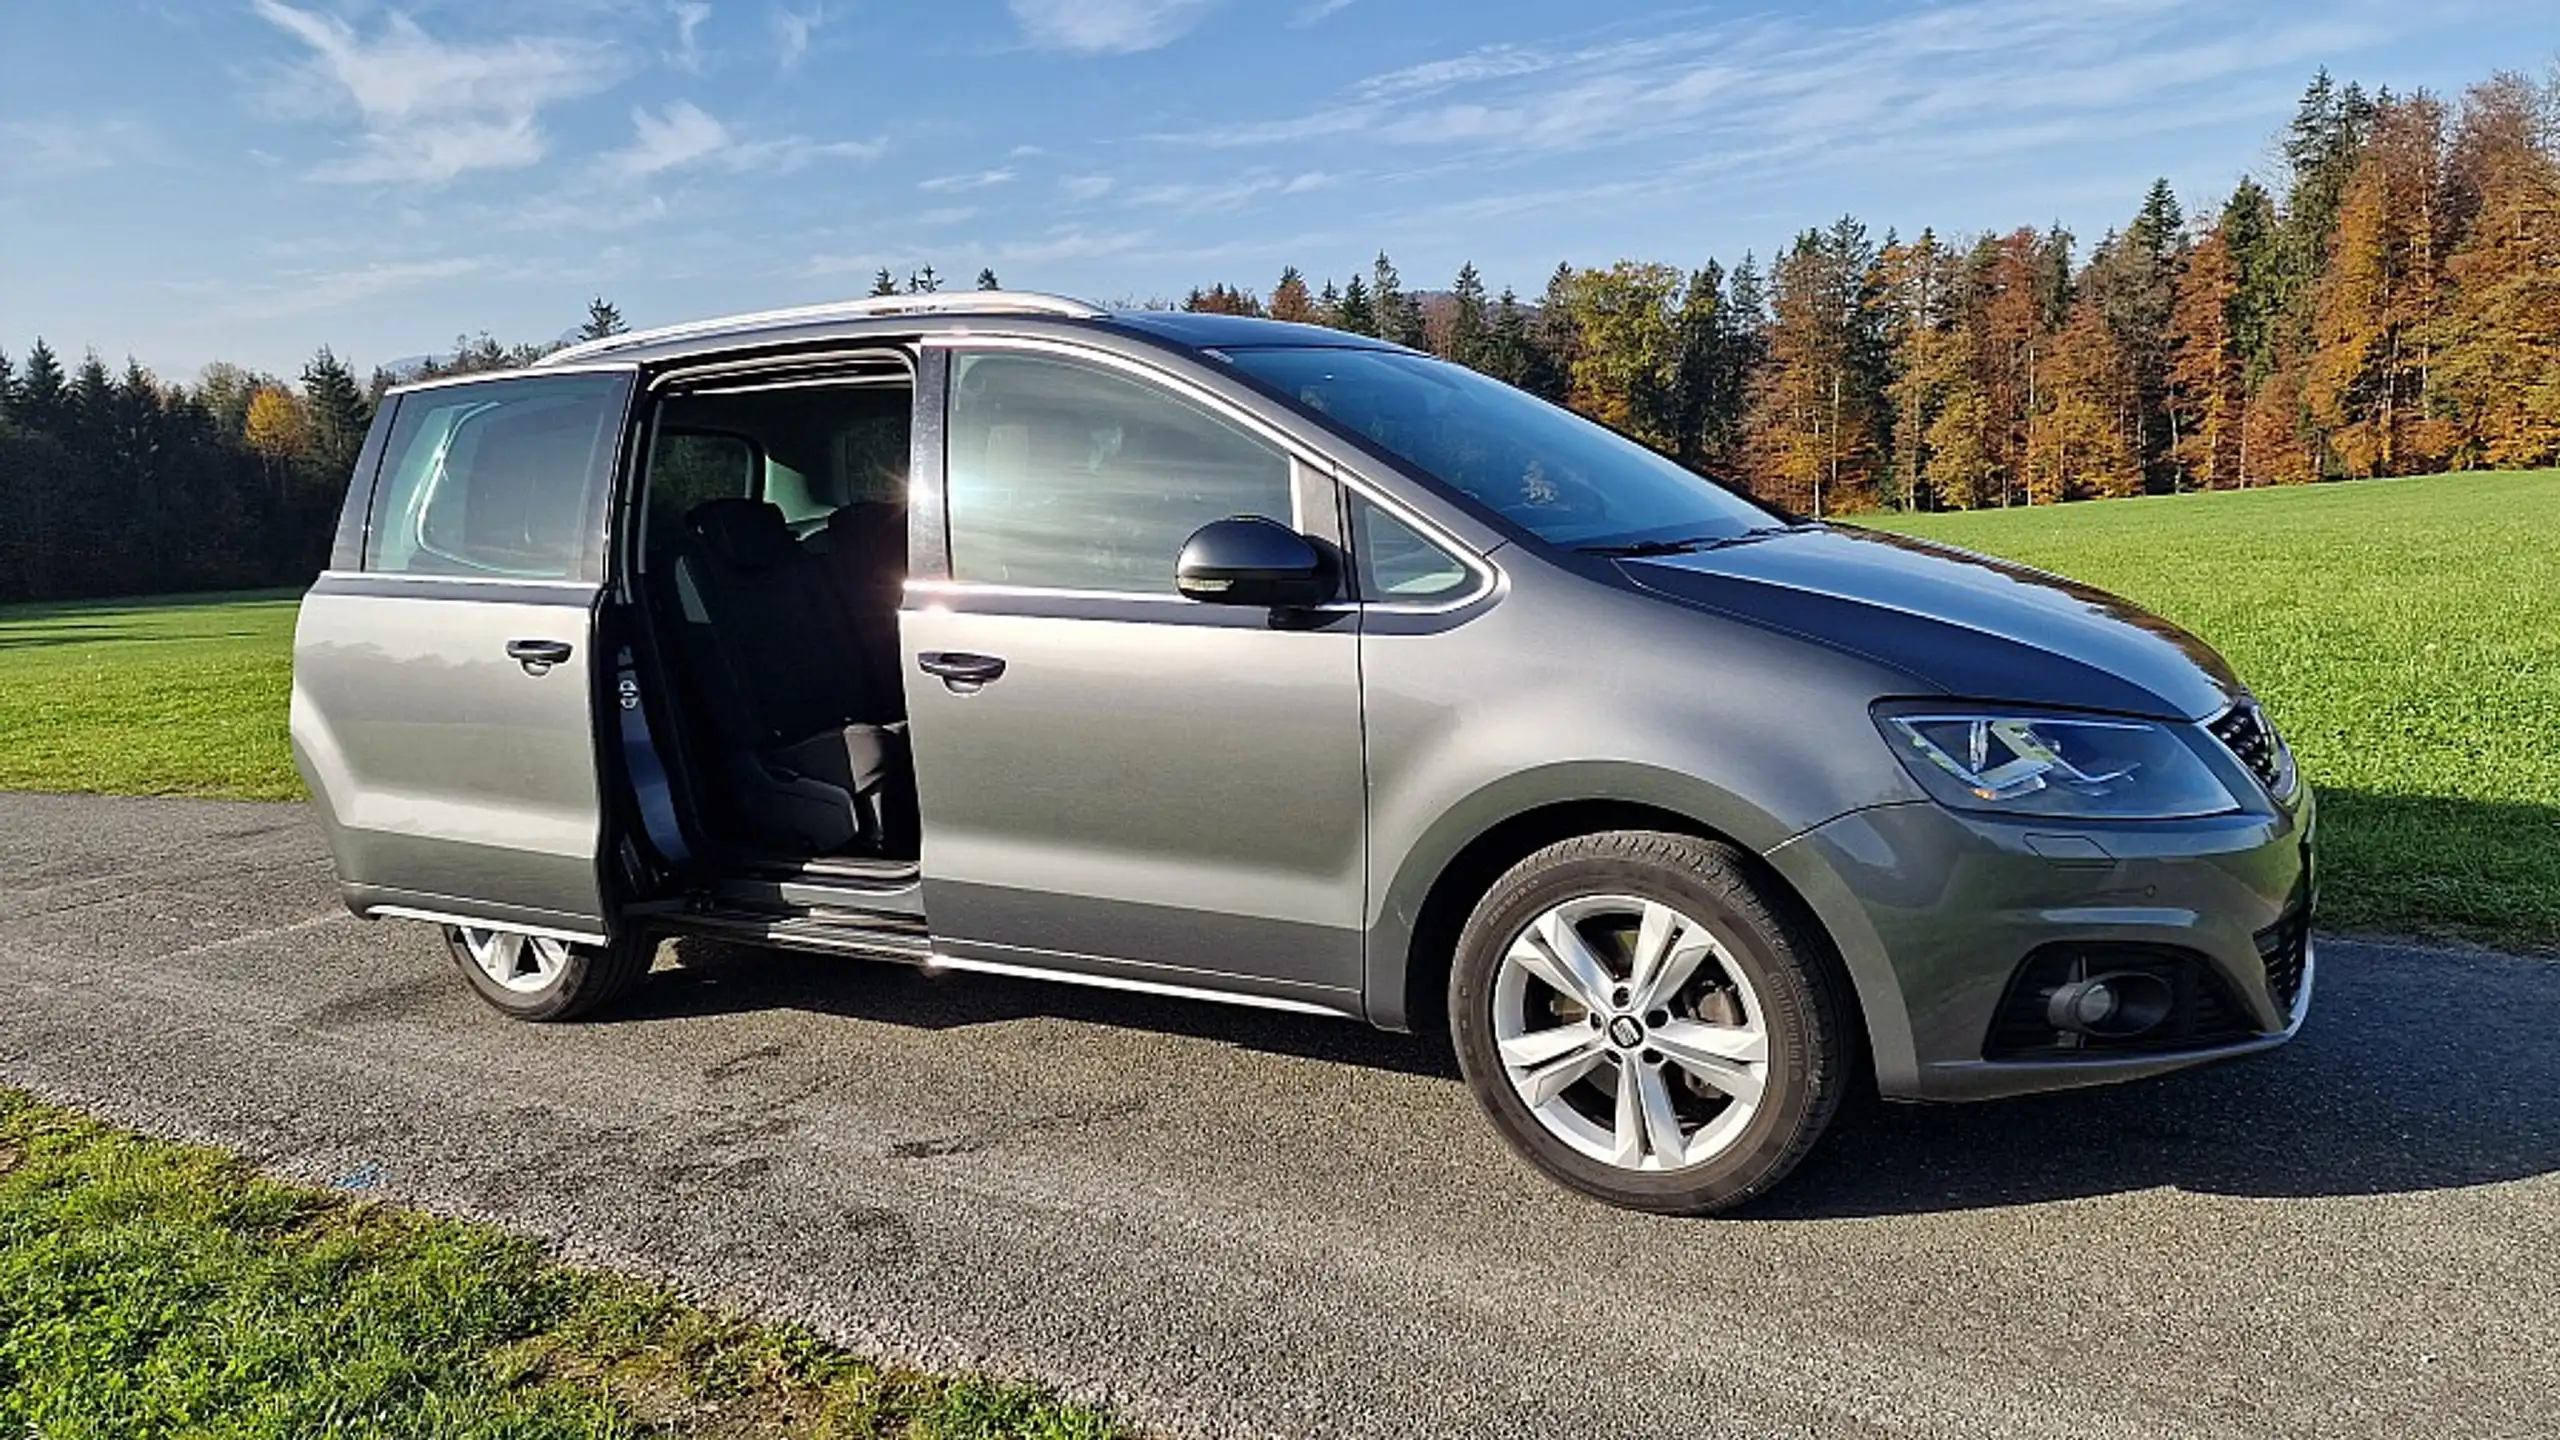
{"x":702,"y":977}
{"x":2417,"y":1071}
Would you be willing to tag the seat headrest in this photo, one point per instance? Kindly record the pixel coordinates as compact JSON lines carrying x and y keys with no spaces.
{"x":747,"y":534}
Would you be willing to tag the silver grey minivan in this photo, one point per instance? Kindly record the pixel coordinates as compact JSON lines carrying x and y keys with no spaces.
{"x":1259,"y":663}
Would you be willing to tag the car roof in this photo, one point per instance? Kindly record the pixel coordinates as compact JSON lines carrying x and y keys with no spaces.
{"x":979,"y":311}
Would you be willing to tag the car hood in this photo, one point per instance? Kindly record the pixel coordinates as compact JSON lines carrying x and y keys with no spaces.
{"x":1964,"y":623}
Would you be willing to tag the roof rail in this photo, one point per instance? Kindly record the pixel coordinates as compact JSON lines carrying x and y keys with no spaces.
{"x":958,"y":302}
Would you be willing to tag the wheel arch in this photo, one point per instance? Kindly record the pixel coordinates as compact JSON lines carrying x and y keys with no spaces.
{"x":1414,"y":939}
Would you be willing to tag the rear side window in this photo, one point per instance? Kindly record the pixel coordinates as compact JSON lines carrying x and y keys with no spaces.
{"x":1397,"y":565}
{"x":1066,"y":476}
{"x":688,"y":467}
{"x":503,"y":479}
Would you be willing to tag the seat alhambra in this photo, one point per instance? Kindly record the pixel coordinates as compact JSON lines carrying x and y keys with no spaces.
{"x":1243,"y":661}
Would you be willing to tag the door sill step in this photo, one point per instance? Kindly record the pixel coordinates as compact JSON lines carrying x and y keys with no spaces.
{"x":868,"y":936}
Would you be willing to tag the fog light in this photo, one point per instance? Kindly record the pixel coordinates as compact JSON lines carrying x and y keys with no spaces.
{"x":2117,"y":1006}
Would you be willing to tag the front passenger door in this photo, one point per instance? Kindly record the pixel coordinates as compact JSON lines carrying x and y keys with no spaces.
{"x":1149,"y":789}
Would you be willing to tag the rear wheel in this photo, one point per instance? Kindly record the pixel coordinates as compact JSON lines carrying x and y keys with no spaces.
{"x":1642,"y":1025}
{"x":535,"y":977}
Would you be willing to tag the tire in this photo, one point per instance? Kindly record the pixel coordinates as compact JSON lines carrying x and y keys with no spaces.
{"x":1740,"y":1052}
{"x":547,"y":980}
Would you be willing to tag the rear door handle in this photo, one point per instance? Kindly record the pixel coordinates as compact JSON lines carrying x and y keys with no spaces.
{"x":538,"y":656}
{"x":958,"y":667}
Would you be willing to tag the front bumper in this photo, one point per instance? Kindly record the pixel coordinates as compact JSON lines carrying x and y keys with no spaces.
{"x":1935,"y":912}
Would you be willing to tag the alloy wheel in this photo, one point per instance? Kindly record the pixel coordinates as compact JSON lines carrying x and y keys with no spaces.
{"x":1627,"y":1030}
{"x":525,"y":964}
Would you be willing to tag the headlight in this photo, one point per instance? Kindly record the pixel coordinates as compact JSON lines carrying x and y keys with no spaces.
{"x":2079,"y":767}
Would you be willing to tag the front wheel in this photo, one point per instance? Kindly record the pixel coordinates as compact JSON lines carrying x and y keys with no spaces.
{"x":1643,"y":1026}
{"x":537,"y":978}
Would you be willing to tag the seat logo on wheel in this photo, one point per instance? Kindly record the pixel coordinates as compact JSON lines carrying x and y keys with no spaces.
{"x":1625,"y":1033}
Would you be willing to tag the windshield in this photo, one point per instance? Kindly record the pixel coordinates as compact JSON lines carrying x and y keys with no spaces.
{"x":1552,"y":472}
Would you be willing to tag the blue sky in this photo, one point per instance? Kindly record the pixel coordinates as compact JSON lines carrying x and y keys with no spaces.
{"x":187,"y":180}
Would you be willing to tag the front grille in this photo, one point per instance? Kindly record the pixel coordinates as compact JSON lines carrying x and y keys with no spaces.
{"x":2285,"y":946}
{"x":2245,"y":730}
{"x":2203,"y":1010}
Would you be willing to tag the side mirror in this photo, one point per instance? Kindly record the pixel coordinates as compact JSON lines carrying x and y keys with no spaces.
{"x":1252,"y":561}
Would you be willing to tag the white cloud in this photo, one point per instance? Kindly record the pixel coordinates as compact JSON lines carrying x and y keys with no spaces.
{"x":317,"y":292}
{"x":45,"y":149}
{"x":1085,"y":187}
{"x":1107,"y":27}
{"x":973,"y":180}
{"x":684,"y":135}
{"x":689,"y":15}
{"x":793,"y":29}
{"x":681,"y":135}
{"x":433,"y":110}
{"x":1318,"y":12}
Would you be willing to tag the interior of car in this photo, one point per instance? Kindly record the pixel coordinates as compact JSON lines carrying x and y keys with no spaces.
{"x":773,"y":553}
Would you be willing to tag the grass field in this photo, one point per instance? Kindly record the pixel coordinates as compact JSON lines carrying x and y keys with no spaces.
{"x":2404,"y":633}
{"x":175,"y":695}
{"x":156,"y":1289}
{"x":2405,"y":636}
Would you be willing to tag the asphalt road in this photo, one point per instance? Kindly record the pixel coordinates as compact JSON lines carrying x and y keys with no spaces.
{"x":1230,"y":1222}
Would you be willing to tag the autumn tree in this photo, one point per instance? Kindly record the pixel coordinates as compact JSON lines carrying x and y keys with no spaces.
{"x":1290,"y":300}
{"x":1816,"y":430}
{"x":2376,"y":305}
{"x":1626,"y":369}
{"x":2208,"y":367}
{"x":2500,"y":379}
{"x":1221,"y":300}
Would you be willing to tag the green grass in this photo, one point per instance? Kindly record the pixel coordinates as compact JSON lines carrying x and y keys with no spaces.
{"x":151,"y":1289}
{"x":177,"y":695}
{"x":2404,"y":634}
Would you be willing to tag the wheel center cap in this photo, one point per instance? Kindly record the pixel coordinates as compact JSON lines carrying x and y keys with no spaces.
{"x":1625,"y":1032}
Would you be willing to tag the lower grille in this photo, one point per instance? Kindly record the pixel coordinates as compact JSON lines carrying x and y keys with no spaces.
{"x":2203,"y":1011}
{"x":2285,"y":946}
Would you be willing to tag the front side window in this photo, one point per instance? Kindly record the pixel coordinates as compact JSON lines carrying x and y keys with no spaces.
{"x":1547,"y":470}
{"x":1399,"y":565}
{"x":502,"y":479}
{"x":1066,"y":476}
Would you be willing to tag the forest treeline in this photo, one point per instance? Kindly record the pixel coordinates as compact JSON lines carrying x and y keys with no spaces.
{"x":2389,"y":304}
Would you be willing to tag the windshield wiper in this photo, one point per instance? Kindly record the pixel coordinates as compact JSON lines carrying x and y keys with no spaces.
{"x":1639,"y":549}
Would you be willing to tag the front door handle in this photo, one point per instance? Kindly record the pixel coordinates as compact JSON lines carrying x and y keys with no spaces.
{"x":538,"y":656}
{"x":959,"y":668}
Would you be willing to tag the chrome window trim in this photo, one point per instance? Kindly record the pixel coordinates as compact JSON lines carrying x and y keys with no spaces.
{"x":1487,"y":574}
{"x":421,"y":577}
{"x":520,"y":372}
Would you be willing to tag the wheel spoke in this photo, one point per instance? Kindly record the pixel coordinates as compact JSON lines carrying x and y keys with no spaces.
{"x":1540,"y":1086}
{"x":1528,"y":1052}
{"x":1661,"y":1122}
{"x":1628,"y":1135}
{"x":1554,"y":951}
{"x":1735,"y":1080}
{"x":1689,"y":950}
{"x":1686,"y":1040}
{"x":1655,"y":934}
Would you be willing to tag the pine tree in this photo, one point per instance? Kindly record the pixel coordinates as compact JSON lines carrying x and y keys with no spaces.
{"x":603,"y":321}
{"x":42,"y":393}
{"x":1329,"y":306}
{"x":1469,"y":324}
{"x":339,"y":413}
{"x":924,"y":282}
{"x":1290,"y":300}
{"x":1399,"y":315}
{"x":882,"y":284}
{"x":8,"y":386}
{"x":987,"y":280}
{"x":1556,"y":343}
{"x":1817,"y":421}
{"x":2250,"y":233}
{"x":1353,"y":312}
{"x":1508,"y":348}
